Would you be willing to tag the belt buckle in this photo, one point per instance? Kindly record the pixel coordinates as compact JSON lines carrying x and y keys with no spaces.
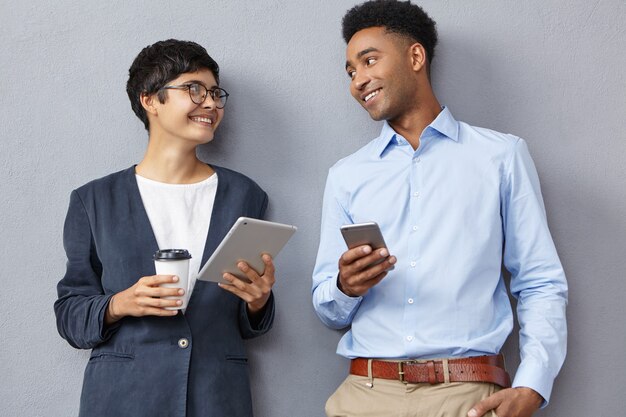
{"x":401,"y":368}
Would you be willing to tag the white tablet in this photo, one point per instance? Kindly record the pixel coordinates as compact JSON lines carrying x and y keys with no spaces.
{"x":247,"y":241}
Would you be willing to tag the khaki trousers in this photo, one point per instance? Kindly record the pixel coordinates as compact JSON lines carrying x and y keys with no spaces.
{"x":393,"y":398}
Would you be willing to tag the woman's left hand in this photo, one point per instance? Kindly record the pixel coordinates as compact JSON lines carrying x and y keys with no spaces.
{"x":258,"y":290}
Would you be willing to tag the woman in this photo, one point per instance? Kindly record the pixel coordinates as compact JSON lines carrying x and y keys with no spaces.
{"x":147,"y":360}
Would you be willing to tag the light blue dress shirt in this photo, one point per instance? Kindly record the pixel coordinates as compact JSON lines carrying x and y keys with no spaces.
{"x":453,"y":211}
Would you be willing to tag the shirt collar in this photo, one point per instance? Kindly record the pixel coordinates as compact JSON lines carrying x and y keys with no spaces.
{"x":444,"y":125}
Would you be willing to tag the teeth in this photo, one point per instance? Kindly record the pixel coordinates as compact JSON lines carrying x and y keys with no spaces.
{"x":370,"y":95}
{"x":202,"y":119}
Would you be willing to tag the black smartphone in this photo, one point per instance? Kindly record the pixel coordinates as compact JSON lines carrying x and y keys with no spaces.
{"x":363,"y":234}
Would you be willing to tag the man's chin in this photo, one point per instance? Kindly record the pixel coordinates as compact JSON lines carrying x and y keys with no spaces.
{"x":377,"y":116}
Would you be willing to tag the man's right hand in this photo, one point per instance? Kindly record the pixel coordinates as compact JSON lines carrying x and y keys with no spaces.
{"x":359,"y":270}
{"x":144,"y":299}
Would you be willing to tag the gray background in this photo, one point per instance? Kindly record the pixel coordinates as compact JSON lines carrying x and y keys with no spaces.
{"x":551,"y":72}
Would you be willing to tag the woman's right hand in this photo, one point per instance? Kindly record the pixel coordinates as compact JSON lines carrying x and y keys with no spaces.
{"x":145,"y":298}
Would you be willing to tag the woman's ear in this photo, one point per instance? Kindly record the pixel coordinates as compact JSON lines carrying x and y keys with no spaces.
{"x":147,"y":101}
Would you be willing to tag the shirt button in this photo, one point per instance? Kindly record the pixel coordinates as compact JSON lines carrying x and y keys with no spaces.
{"x":417,"y":160}
{"x":183,"y":343}
{"x":409,"y":338}
{"x":413,"y":264}
{"x":410,"y":300}
{"x":416,"y":194}
{"x":415,"y":227}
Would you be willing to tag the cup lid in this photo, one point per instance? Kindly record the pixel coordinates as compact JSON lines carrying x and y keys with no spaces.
{"x":171,"y":254}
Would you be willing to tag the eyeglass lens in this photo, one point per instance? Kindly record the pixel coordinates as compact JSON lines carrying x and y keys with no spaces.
{"x":198,"y":93}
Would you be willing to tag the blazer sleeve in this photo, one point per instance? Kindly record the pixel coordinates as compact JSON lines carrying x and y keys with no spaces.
{"x":263,"y":323}
{"x":81,"y":303}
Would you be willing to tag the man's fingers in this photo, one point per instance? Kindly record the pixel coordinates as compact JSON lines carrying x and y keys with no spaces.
{"x":365,"y":261}
{"x":374,"y":270}
{"x":364,"y":286}
{"x":355,"y":275}
{"x":352,"y":255}
{"x":376,"y":257}
{"x":490,"y":403}
{"x":510,"y":402}
{"x":367,"y":270}
{"x":377,"y":278}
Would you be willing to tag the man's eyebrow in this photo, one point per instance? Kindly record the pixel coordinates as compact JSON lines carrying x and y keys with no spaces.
{"x":363,"y":52}
{"x":366,"y":51}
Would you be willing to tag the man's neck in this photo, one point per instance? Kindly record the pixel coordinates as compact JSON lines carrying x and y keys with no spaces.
{"x":411,"y":124}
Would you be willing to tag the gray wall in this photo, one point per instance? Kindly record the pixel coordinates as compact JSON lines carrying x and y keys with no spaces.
{"x":549,"y":71}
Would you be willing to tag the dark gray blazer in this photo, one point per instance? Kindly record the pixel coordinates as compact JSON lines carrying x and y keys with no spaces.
{"x":142,"y":366}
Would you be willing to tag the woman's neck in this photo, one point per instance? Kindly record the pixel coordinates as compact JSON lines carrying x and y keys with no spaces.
{"x":172,"y":164}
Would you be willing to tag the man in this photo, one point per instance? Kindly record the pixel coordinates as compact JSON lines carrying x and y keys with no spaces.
{"x":430,"y":313}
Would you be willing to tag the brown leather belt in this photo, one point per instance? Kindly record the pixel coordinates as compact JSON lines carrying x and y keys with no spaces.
{"x":473,"y":369}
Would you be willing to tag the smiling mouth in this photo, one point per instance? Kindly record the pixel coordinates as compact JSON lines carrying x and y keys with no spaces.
{"x":371,"y":95}
{"x":202,"y":120}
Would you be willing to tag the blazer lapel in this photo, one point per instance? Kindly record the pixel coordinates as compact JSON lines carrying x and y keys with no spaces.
{"x":144,"y":234}
{"x":219,"y":225}
{"x":218,"y":228}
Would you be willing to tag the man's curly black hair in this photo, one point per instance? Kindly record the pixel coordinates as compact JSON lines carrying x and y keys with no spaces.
{"x":400,"y":17}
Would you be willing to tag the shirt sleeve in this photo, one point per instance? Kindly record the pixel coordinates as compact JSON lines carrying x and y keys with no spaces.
{"x":81,"y":303}
{"x":537,"y":277}
{"x":333,"y":307}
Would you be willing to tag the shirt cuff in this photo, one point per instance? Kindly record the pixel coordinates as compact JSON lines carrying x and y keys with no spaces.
{"x":534,"y":376}
{"x":345,"y":302}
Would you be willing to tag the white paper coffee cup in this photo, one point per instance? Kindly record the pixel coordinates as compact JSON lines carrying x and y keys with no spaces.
{"x":174,"y":262}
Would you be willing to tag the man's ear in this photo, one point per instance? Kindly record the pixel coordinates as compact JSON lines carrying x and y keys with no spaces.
{"x":147,"y":102}
{"x":418,"y":57}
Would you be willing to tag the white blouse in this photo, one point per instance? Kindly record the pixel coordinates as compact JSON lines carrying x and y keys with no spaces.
{"x":180,"y":215}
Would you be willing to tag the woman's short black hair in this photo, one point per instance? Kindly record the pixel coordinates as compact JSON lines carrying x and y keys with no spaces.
{"x":400,"y":17}
{"x":158,"y":64}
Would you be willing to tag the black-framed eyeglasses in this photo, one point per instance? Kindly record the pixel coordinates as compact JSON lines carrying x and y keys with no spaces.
{"x":198,"y":93}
